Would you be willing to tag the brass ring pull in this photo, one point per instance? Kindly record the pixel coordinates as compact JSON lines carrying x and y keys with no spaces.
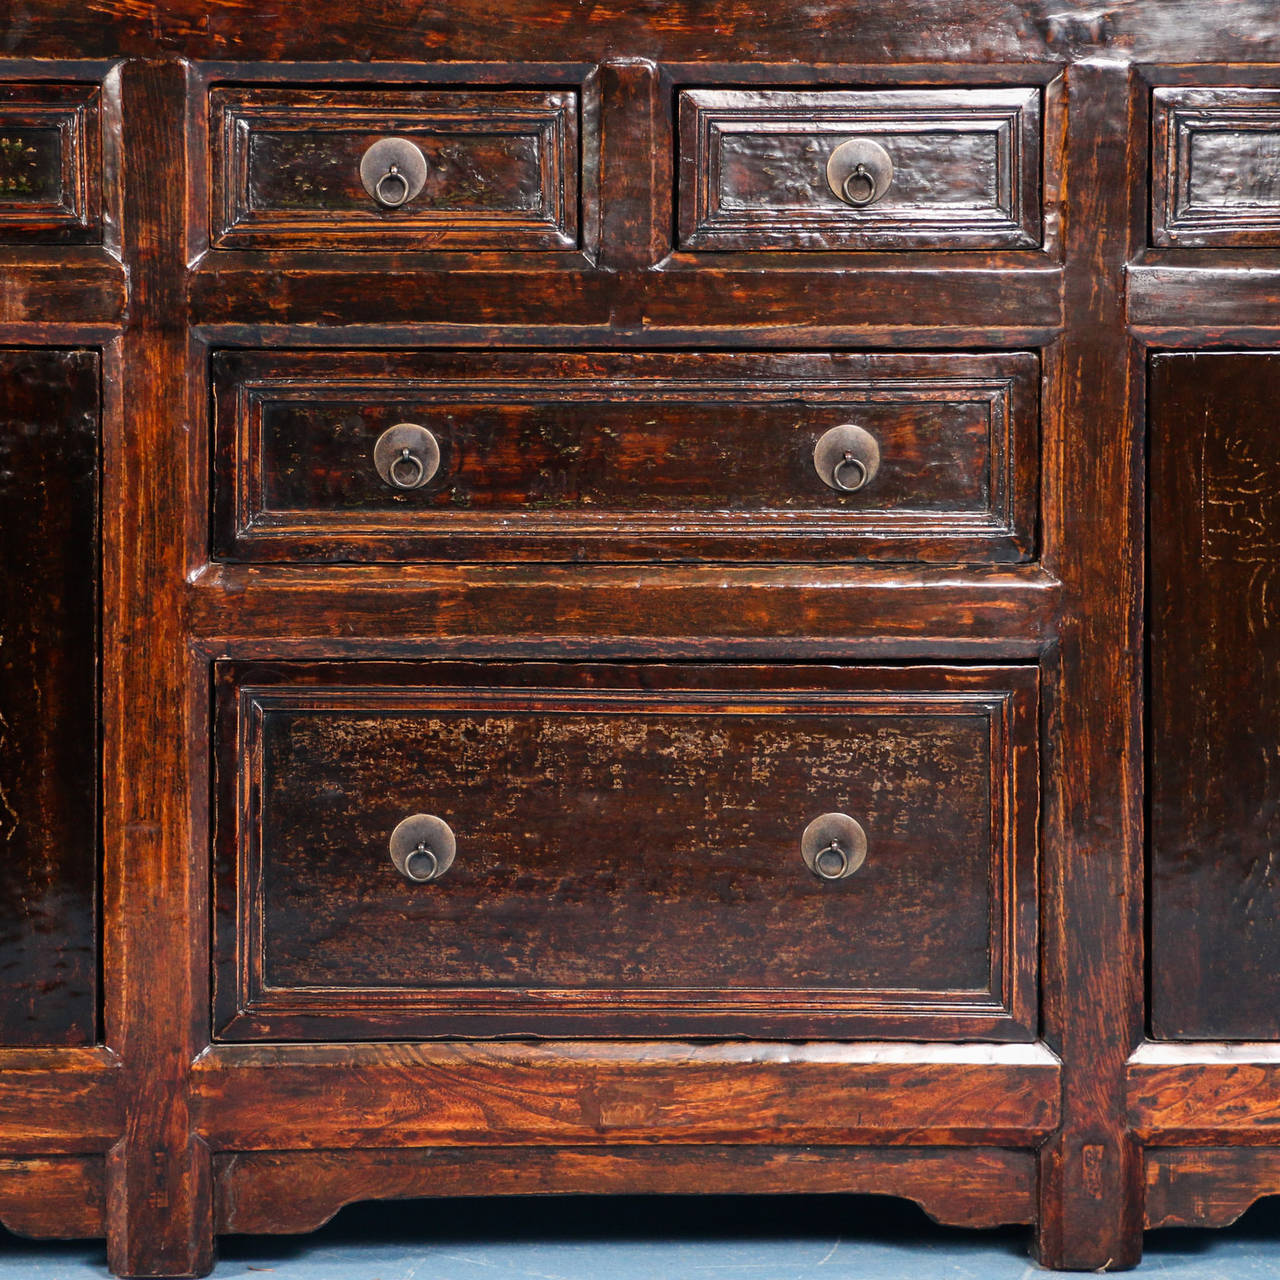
{"x":833,"y":846}
{"x":832,"y":862}
{"x":421,"y":863}
{"x":392,"y":200}
{"x":866,"y":184}
{"x":407,"y":458}
{"x":422,"y":848}
{"x":846,"y":458}
{"x":849,"y":462}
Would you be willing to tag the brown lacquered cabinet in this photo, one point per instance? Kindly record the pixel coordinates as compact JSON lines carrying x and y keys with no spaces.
{"x":637,"y":599}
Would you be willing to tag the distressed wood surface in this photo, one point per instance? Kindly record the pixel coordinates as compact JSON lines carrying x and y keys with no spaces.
{"x":602,"y":456}
{"x":1207,"y":1187}
{"x":49,"y":421}
{"x":468,"y":1094}
{"x":628,"y":851}
{"x":977,"y":1187}
{"x":753,"y":169}
{"x":1215,"y":679}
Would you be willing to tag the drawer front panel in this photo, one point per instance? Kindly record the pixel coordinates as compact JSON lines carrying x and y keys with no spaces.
{"x":498,"y":169}
{"x":627,"y":851}
{"x":961,"y":169}
{"x":1216,"y":159}
{"x":614,"y":456}
{"x":50,"y":164}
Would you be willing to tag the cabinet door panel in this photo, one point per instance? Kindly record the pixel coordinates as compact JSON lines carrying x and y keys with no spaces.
{"x":1215,"y":695}
{"x":48,"y":696}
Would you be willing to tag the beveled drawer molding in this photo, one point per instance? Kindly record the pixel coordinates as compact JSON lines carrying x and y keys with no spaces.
{"x":953,"y":168}
{"x":623,"y":849}
{"x":50,"y":163}
{"x":615,"y":455}
{"x":1216,"y":167}
{"x":499,"y":169}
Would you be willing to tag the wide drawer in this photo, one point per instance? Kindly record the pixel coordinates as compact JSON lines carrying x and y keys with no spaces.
{"x":394,"y":168}
{"x":895,"y":168}
{"x":585,"y":455}
{"x":626,"y":851}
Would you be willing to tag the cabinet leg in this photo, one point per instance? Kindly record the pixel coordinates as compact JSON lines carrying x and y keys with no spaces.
{"x":1091,"y":1210}
{"x":159,"y":1211}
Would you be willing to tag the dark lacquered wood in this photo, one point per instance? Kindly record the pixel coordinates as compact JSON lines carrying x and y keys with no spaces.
{"x":1091,"y":1171}
{"x":597,"y":456}
{"x":49,"y":420}
{"x":628,"y":851}
{"x":501,"y":168}
{"x":1215,"y":672}
{"x":50,"y":164}
{"x":54,"y":1197}
{"x":1215,"y":166}
{"x":753,"y":169}
{"x":251,"y":1187}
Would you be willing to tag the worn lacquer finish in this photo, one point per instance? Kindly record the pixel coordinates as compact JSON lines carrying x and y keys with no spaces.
{"x":49,"y":419}
{"x":628,"y":851}
{"x":619,"y":456}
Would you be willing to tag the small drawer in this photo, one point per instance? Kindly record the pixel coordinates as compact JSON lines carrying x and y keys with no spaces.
{"x":1216,"y":167}
{"x":920,"y":169}
{"x":542,"y":849}
{"x":50,"y":164}
{"x":354,"y":456}
{"x":394,"y":169}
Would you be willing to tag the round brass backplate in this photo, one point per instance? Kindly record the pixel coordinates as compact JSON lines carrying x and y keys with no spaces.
{"x":833,"y":846}
{"x":406,"y":456}
{"x":859,"y":172}
{"x":846,"y":458}
{"x":422,"y":831}
{"x":393,"y":171}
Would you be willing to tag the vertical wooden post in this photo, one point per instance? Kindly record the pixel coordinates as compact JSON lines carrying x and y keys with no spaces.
{"x":159,"y":1216}
{"x":1091,"y":1173}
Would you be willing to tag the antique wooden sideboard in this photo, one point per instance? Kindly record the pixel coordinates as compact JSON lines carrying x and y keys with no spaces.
{"x":666,"y":596}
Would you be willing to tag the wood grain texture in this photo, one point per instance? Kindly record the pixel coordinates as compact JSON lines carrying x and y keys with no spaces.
{"x":53,"y":1197}
{"x":502,"y":168}
{"x":1090,"y":1172}
{"x":49,"y":422}
{"x":159,"y":1215}
{"x":50,"y":163}
{"x":59,"y":1100}
{"x":601,"y":456}
{"x":1207,"y":1187}
{"x":294,"y":1191}
{"x":1215,"y":164}
{"x":753,"y":169}
{"x":281,"y":1097}
{"x":1214,"y":661}
{"x":628,"y":852}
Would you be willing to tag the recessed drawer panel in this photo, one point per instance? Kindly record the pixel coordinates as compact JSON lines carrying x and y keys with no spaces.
{"x":50,"y":164}
{"x":395,"y":169}
{"x":1216,"y":159}
{"x":925,"y":169}
{"x":377,"y":456}
{"x":540,"y":849}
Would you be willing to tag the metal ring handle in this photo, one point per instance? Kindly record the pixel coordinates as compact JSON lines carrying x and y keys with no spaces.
{"x":860,"y":175}
{"x":834,"y":846}
{"x":854,"y":463}
{"x":421,"y":863}
{"x":383,"y":198}
{"x":822,"y":862}
{"x":422,"y":847}
{"x":406,"y":458}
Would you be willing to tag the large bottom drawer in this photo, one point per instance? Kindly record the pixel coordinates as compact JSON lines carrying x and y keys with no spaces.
{"x":472,"y":849}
